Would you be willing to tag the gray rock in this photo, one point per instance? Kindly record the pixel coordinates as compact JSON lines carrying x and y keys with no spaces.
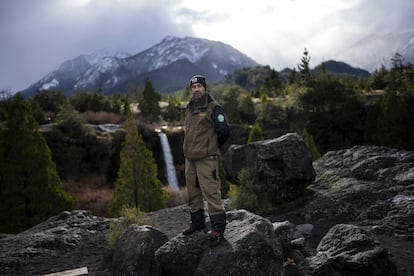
{"x":172,"y":221}
{"x":284,"y":232}
{"x":67,"y":241}
{"x":303,"y":230}
{"x":370,"y":163}
{"x":250,"y":248}
{"x":283,"y":166}
{"x":367,"y":186}
{"x":400,"y":217}
{"x":134,"y":252}
{"x":371,"y":184}
{"x":298,"y":243}
{"x":349,"y":250}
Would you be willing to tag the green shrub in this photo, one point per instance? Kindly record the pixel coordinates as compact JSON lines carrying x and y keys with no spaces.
{"x":249,"y":195}
{"x":70,"y":121}
{"x":223,"y":180}
{"x":255,"y":134}
{"x":128,"y":217}
{"x":309,"y":141}
{"x":232,"y":193}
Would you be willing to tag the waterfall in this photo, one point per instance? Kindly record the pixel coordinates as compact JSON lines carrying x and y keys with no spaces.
{"x":169,"y":162}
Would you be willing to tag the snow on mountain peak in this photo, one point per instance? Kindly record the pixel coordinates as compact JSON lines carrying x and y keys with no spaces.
{"x":98,"y":55}
{"x":50,"y":84}
{"x":172,"y":48}
{"x":166,"y":63}
{"x":169,"y":38}
{"x":106,"y":64}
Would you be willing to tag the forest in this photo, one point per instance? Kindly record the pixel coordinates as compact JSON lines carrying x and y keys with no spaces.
{"x":49,"y":160}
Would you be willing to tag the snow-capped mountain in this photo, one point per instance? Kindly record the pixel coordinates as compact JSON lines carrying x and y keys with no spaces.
{"x":377,"y":49}
{"x":168,"y":64}
{"x":66,"y":76}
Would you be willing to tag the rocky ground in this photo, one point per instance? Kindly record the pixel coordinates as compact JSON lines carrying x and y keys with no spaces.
{"x":64,"y":242}
{"x":371,"y":187}
{"x":311,"y":211}
{"x":30,"y":258}
{"x":401,"y":250}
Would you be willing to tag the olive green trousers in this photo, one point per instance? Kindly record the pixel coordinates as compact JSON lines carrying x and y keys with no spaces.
{"x":203,"y":182}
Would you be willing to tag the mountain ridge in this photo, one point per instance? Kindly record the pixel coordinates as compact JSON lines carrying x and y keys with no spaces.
{"x":172,"y":61}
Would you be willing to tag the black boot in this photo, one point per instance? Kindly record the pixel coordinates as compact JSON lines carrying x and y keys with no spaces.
{"x":218,"y":225}
{"x":197,"y":222}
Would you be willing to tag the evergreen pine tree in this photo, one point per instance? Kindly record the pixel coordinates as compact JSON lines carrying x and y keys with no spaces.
{"x":231,"y":104}
{"x":395,"y":132}
{"x":272,"y":84}
{"x":50,"y":100}
{"x":172,"y":112}
{"x":304,"y":68}
{"x":149,"y":102}
{"x":247,"y":110}
{"x":30,"y":187}
{"x":292,"y":76}
{"x":137,"y":185}
{"x":390,"y":121}
{"x":379,"y":81}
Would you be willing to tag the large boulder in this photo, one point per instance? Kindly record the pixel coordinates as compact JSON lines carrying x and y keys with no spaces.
{"x":349,"y":250}
{"x":134,"y":252}
{"x":250,"y":248}
{"x":283,"y":166}
{"x":67,"y":241}
{"x":367,"y":186}
{"x":371,"y":184}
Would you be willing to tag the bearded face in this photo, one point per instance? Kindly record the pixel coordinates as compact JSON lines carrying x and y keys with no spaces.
{"x":198,"y":91}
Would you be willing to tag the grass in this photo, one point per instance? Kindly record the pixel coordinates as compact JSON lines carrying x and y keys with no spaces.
{"x":128,"y":217}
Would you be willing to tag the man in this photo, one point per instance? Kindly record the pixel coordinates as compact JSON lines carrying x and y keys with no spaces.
{"x":206,"y":130}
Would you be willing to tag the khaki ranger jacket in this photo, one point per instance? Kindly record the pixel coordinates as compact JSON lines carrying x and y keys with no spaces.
{"x":206,"y":128}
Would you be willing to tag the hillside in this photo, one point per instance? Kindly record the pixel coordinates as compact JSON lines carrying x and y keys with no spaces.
{"x":251,"y":79}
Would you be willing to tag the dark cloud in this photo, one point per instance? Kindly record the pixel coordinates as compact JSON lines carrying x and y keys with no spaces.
{"x":37,"y":36}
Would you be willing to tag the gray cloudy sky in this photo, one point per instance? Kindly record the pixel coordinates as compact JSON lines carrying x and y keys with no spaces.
{"x":36,"y":36}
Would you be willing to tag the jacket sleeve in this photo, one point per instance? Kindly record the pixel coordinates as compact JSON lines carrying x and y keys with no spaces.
{"x":220,"y":122}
